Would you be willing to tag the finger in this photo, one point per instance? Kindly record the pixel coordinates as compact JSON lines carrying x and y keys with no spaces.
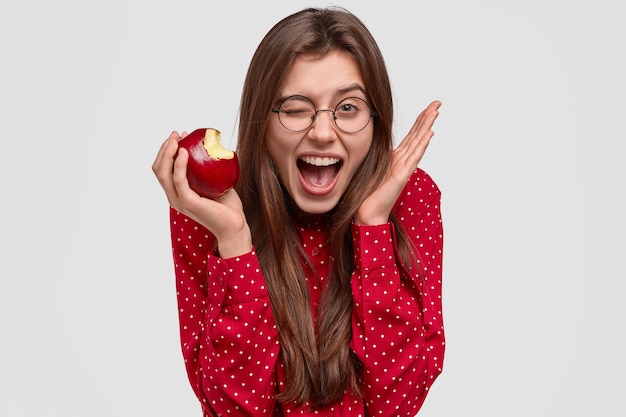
{"x":422,"y":123}
{"x":162,"y":166}
{"x":179,"y":175}
{"x":426,"y":125}
{"x":159,"y":155}
{"x":419,"y":149}
{"x":165,"y":167}
{"x":188,"y":199}
{"x":418,"y":138}
{"x":415,"y":149}
{"x":426,"y":118}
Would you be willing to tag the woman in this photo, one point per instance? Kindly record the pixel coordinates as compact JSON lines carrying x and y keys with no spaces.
{"x":314,"y":287}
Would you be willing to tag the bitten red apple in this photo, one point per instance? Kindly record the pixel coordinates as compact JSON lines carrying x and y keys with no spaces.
{"x":211,"y":169}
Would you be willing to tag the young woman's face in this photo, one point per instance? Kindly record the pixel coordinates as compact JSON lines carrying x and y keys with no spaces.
{"x":316,"y":164}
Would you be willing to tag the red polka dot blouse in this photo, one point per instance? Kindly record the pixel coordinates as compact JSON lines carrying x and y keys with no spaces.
{"x":230,"y":343}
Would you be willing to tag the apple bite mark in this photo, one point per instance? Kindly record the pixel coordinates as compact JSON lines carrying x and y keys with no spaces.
{"x":213,"y":146}
{"x":211,"y":169}
{"x":318,"y":174}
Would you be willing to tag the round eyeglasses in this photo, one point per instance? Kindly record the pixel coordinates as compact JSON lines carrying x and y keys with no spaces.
{"x":351,"y":115}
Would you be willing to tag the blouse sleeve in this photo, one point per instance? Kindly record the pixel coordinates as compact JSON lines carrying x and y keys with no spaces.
{"x":397,"y":320}
{"x":228,"y":337}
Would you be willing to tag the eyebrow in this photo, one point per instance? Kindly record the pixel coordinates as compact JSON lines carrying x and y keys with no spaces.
{"x":351,"y":88}
{"x":340,"y":92}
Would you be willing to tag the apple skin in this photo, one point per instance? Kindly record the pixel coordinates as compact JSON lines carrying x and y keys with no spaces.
{"x":208,"y":176}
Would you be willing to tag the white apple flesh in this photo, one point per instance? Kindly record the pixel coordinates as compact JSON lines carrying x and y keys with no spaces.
{"x":211,"y":169}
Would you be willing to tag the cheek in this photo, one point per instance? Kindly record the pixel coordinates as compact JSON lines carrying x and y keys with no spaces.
{"x":363,"y":151}
{"x":281,"y":151}
{"x":358,"y":150}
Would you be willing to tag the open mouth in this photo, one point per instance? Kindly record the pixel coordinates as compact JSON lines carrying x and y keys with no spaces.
{"x":318,"y":174}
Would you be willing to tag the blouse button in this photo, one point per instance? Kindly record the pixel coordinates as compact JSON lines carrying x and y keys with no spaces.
{"x":315,"y":252}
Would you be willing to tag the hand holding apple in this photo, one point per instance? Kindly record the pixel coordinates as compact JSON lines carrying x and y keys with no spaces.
{"x":211,"y":169}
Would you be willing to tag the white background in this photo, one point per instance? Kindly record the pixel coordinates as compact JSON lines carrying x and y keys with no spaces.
{"x":528,"y":154}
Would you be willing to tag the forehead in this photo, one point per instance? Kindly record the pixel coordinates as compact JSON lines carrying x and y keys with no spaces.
{"x":325,"y":78}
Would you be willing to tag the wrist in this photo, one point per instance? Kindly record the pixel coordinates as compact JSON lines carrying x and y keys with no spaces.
{"x":235,"y":243}
{"x":371,"y":220}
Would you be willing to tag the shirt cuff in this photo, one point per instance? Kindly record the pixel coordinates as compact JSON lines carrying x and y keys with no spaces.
{"x":373,"y":246}
{"x":245,"y":281}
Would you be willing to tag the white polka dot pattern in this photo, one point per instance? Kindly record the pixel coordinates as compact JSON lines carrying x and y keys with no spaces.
{"x":230,"y":343}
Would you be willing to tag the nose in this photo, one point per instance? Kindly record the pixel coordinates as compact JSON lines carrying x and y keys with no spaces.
{"x":323,"y":128}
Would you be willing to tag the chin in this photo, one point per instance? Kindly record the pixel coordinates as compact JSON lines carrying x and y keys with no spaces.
{"x":316,"y":205}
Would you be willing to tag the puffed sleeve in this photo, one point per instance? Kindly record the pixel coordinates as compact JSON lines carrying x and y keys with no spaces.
{"x":397,"y":319}
{"x":228,"y":336}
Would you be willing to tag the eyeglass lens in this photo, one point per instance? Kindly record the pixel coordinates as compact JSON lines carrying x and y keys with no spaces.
{"x":351,"y":115}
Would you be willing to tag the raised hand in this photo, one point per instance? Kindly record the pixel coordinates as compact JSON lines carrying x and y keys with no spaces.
{"x":377,"y":207}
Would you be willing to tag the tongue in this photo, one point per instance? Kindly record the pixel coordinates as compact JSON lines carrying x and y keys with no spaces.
{"x":318,"y":177}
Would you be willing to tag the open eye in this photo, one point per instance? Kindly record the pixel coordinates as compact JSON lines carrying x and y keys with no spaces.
{"x":350,"y":107}
{"x":347,"y":108}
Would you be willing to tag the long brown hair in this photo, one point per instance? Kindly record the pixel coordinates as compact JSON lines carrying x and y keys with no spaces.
{"x":318,"y":362}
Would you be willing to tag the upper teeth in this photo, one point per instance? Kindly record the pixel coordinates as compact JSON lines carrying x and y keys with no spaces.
{"x":320,"y":162}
